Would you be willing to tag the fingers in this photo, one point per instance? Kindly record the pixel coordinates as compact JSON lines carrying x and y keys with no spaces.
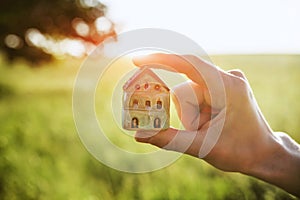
{"x":188,"y":98}
{"x":186,"y":64}
{"x":171,"y":139}
{"x":157,"y":138}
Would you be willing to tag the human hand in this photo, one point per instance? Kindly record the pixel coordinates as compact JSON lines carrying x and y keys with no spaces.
{"x":245,"y":143}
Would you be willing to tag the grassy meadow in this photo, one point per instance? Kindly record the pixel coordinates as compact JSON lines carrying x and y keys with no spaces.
{"x":42,"y":157}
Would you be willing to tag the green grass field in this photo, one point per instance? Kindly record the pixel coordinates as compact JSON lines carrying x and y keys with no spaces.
{"x":42,"y":157}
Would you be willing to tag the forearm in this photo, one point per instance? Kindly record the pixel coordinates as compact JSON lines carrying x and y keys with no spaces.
{"x":280,"y":164}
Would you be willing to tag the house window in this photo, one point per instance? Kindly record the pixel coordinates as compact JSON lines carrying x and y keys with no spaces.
{"x":156,"y":123}
{"x":146,"y":86}
{"x":134,"y":123}
{"x":135,"y":103}
{"x":137,"y":86}
{"x":157,"y":87}
{"x":147,"y":104}
{"x":158,"y":104}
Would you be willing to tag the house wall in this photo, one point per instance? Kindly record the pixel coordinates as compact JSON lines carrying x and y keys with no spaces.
{"x":145,"y":115}
{"x":145,"y":119}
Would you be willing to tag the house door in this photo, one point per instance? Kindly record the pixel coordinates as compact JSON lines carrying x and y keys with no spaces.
{"x":157,"y":123}
{"x":134,"y":123}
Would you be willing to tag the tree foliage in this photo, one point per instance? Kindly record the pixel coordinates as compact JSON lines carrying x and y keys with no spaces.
{"x":54,"y":18}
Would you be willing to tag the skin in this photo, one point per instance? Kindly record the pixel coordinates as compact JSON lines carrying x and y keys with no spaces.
{"x":246,"y":144}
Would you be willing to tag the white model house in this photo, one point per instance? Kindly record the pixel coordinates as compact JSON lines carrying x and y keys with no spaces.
{"x":146,"y":102}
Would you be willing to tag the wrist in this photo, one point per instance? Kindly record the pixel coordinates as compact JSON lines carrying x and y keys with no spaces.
{"x":278,"y":163}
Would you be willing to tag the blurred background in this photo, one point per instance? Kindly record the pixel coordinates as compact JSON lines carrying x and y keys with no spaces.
{"x":42,"y":45}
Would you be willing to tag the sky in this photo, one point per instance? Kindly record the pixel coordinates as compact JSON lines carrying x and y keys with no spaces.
{"x":218,"y":26}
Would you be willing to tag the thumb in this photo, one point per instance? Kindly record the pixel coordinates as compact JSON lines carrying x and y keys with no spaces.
{"x":196,"y":143}
{"x":172,"y":139}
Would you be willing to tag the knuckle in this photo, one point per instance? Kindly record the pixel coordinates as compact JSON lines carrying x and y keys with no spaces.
{"x":240,"y":84}
{"x":238,"y":73}
{"x":238,"y":87}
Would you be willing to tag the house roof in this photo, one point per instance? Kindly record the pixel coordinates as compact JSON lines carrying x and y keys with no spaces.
{"x":139,"y":74}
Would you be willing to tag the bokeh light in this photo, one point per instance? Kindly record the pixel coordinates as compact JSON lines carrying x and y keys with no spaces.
{"x":13,"y":41}
{"x":81,"y":27}
{"x":58,"y":48}
{"x":34,"y":37}
{"x":103,"y":24}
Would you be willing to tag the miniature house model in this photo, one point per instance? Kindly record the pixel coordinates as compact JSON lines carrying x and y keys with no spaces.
{"x":146,"y":102}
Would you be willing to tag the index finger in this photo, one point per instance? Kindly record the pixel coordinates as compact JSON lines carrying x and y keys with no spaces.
{"x":187,"y":64}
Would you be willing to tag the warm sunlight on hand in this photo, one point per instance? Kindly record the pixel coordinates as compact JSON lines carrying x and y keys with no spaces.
{"x":246,"y":143}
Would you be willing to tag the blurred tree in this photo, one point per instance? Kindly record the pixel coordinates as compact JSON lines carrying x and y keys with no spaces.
{"x":30,"y":29}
